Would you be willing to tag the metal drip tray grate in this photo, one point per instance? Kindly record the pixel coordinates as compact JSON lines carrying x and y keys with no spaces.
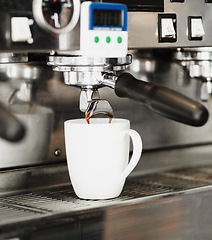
{"x":48,"y":202}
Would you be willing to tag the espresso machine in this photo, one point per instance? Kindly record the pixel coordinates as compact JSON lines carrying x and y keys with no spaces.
{"x":146,"y":61}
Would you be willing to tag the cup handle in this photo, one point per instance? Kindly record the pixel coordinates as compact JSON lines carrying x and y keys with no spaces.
{"x":137,"y":150}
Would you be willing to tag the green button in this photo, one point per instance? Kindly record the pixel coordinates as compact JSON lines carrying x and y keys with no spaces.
{"x":96,"y":39}
{"x":108,"y":39}
{"x":119,"y":39}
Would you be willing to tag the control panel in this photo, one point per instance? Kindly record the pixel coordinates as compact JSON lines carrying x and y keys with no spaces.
{"x":103,"y":30}
{"x":107,"y":28}
{"x":182,"y":23}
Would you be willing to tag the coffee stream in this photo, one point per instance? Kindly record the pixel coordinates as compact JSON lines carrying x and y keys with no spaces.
{"x":87,"y":117}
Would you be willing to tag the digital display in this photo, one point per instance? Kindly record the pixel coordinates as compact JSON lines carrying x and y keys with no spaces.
{"x":107,"y":18}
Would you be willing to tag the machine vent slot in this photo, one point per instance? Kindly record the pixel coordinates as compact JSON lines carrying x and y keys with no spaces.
{"x":141,"y":5}
{"x":15,"y":6}
{"x":8,"y":4}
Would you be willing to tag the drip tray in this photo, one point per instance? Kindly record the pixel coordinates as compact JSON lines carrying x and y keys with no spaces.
{"x":42,"y":203}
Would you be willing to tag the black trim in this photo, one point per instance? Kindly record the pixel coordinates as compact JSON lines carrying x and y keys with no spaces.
{"x":141,"y":5}
{"x":174,"y":18}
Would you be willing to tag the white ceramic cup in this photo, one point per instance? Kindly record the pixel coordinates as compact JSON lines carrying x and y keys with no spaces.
{"x":98,"y":156}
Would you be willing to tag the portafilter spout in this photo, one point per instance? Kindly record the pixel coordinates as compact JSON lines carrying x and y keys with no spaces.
{"x":86,"y":73}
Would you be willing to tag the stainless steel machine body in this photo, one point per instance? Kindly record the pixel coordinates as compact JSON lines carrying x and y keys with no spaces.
{"x":169,"y":42}
{"x":40,"y":42}
{"x":141,"y":34}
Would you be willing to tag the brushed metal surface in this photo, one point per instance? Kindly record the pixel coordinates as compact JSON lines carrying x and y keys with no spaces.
{"x":173,"y":204}
{"x":157,"y":132}
{"x":24,"y":178}
{"x":177,"y":217}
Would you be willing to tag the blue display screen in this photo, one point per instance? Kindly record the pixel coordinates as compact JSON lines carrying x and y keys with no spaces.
{"x":105,"y":15}
{"x":107,"y":18}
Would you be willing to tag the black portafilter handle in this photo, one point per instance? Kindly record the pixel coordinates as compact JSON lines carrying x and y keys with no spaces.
{"x":11,"y":129}
{"x":162,"y":100}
